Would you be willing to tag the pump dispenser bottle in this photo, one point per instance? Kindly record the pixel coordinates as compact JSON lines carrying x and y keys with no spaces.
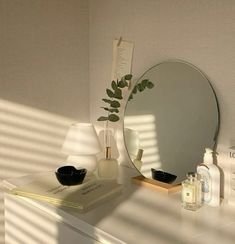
{"x":137,"y":161}
{"x":210,"y":176}
{"x":108,"y":166}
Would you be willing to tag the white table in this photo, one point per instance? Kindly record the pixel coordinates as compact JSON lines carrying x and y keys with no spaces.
{"x":138,"y":216}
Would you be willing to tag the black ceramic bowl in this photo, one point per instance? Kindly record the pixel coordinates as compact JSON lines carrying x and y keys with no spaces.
{"x":69,"y":175}
{"x":163,"y":176}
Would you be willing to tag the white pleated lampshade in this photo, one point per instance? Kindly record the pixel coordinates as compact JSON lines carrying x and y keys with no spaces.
{"x":81,"y":139}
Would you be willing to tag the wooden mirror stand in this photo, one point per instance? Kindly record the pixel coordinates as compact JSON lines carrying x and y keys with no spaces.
{"x":156,"y":185}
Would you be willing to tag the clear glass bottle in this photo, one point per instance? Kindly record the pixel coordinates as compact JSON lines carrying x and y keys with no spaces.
{"x":192,"y":192}
{"x":108,"y":166}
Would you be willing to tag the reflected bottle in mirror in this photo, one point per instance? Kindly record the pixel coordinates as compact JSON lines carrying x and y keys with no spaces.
{"x":137,"y":161}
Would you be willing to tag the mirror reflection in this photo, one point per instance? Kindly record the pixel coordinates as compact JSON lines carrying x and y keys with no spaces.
{"x":168,"y":127}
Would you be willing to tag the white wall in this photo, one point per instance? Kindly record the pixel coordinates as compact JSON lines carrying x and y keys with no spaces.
{"x":198,"y":31}
{"x":43,"y":81}
{"x":44,"y":55}
{"x":44,"y":66}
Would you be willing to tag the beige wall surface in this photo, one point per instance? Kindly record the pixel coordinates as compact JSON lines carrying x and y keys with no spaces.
{"x":43,"y":74}
{"x":43,"y":82}
{"x":44,"y":55}
{"x":197,"y":31}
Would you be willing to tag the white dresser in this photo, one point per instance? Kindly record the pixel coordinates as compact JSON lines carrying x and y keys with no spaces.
{"x":139,"y":216}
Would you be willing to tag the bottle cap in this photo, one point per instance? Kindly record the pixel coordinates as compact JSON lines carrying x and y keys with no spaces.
{"x":208,"y":156}
{"x":191,"y":174}
{"x":208,"y":150}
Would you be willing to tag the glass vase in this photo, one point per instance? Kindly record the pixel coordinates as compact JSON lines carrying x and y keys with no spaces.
{"x":108,"y":166}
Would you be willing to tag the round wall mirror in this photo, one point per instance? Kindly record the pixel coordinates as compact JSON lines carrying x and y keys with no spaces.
{"x":171,"y":124}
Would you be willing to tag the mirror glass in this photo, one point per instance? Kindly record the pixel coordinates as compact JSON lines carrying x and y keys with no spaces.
{"x":173,"y":122}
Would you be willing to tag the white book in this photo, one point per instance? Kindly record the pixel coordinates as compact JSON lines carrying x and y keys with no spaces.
{"x":82,"y":197}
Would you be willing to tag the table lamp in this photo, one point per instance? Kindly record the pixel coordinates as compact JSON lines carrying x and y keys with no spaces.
{"x":81,"y":144}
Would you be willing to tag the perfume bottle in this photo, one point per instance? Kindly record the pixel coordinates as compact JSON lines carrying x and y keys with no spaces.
{"x":108,"y":166}
{"x":192,"y":192}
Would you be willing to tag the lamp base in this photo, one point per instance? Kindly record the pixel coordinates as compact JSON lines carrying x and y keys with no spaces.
{"x":88,"y":162}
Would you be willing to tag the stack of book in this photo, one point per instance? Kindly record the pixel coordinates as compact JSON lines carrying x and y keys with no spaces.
{"x":82,"y":197}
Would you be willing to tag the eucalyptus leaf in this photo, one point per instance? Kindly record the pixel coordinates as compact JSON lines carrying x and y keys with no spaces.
{"x":128,"y":77}
{"x":122,"y":83}
{"x":107,"y":109}
{"x":118,"y":93}
{"x":150,"y":85}
{"x":134,"y":89}
{"x":140,"y":87}
{"x":113,"y":117}
{"x":118,"y":97}
{"x":102,"y":118}
{"x":115,"y":104}
{"x":114,"y":85}
{"x":113,"y":110}
{"x":109,"y":93}
{"x":107,"y":100}
{"x":144,"y":82}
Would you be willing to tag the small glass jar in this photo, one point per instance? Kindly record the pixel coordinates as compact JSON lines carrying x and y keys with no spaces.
{"x":192,"y":192}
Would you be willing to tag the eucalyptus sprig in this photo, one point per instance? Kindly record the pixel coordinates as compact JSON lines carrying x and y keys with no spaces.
{"x":140,"y":86}
{"x":115,"y":94}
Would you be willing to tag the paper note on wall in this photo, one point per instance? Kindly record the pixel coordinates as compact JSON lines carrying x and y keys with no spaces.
{"x":122,"y":58}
